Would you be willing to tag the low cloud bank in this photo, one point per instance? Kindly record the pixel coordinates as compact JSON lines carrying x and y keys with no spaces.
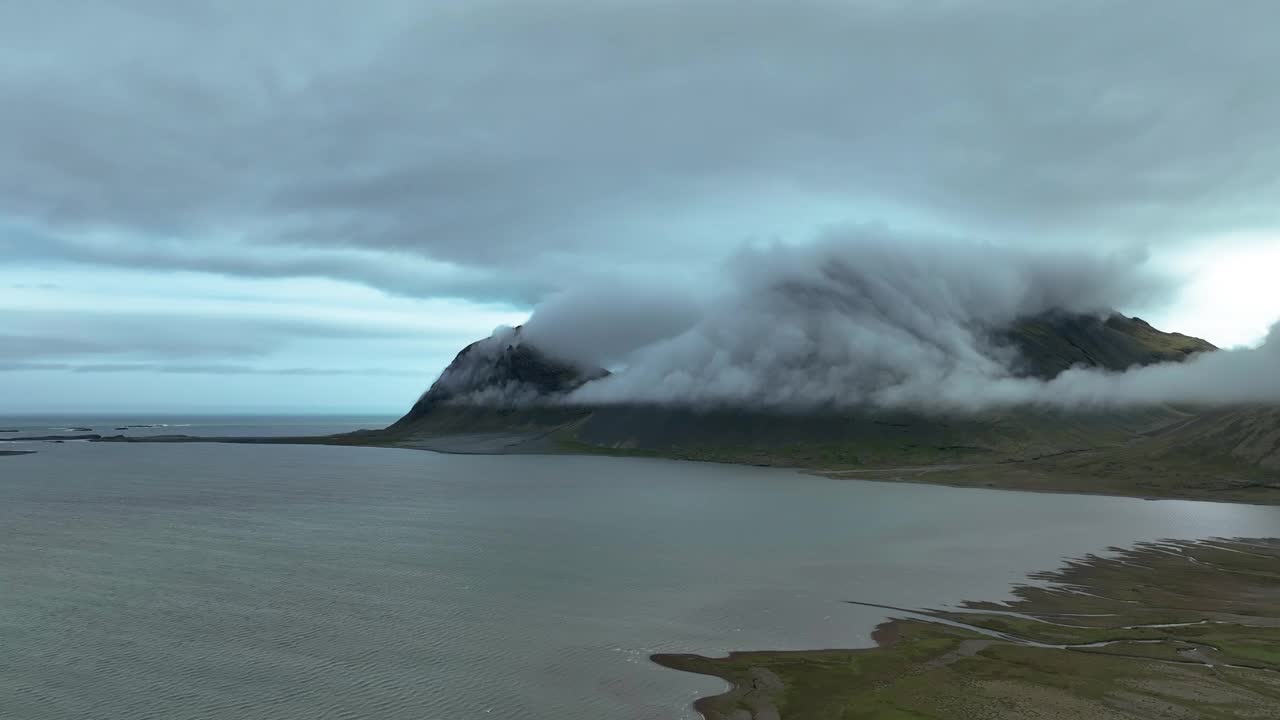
{"x":1225,"y":377}
{"x":866,"y":318}
{"x":605,"y":321}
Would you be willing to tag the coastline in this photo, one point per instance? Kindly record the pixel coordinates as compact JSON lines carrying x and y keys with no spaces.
{"x":1170,"y":629}
{"x":1101,"y":472}
{"x":755,"y":693}
{"x":1007,"y":487}
{"x":1093,"y":473}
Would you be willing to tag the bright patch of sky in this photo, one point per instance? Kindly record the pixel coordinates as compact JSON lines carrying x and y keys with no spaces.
{"x":1230,"y":295}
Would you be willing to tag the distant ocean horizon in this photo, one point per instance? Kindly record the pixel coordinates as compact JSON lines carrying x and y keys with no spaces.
{"x":202,"y":424}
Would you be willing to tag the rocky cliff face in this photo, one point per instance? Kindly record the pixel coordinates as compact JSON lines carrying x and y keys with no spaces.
{"x":501,"y":371}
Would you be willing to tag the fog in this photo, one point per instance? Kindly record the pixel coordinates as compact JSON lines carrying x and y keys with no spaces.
{"x":865,"y":317}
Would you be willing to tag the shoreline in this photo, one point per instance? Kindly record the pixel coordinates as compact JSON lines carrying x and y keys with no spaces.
{"x":1166,"y":629}
{"x":1036,"y":491}
{"x":1029,"y":476}
{"x":1039,"y":475}
{"x":757,"y":695}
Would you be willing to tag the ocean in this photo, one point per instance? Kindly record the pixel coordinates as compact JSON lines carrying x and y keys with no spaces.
{"x":300,"y":582}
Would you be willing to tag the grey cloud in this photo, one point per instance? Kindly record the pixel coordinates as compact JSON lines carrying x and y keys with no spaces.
{"x":396,"y":272}
{"x":163,"y":343}
{"x":228,"y":369}
{"x":601,"y":321}
{"x":82,"y":336}
{"x":520,"y":141}
{"x":208,"y":369}
{"x":32,"y":346}
{"x":7,"y":366}
{"x":867,"y":317}
{"x":1241,"y":376}
{"x":50,"y":334}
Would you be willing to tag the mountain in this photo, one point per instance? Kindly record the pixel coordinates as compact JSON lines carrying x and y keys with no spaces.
{"x":1248,"y":435}
{"x":1052,"y":343}
{"x":505,"y":383}
{"x":505,"y":394}
{"x":500,"y":395}
{"x":507,"y":371}
{"x":498,"y":376}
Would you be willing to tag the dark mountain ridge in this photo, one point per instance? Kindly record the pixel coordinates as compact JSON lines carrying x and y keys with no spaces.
{"x":505,"y":384}
{"x":501,"y":372}
{"x":503,"y":394}
{"x":507,"y":371}
{"x":1052,"y":343}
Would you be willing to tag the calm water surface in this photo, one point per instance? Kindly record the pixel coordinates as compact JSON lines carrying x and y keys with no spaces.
{"x":198,"y":425}
{"x":207,"y":581}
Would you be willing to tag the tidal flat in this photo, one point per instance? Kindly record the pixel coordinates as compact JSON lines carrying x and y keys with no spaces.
{"x":1176,"y":629}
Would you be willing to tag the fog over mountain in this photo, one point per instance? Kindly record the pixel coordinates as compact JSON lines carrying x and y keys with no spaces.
{"x":1223,"y":377}
{"x":867,"y":318}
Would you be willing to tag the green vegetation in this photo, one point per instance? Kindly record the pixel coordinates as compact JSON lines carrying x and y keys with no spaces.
{"x":1193,"y":627}
{"x":1051,"y":343}
{"x":859,"y":439}
{"x":1230,"y":455}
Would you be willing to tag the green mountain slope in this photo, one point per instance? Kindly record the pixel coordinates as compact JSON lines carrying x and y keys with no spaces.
{"x":1249,"y":435}
{"x":1050,"y":344}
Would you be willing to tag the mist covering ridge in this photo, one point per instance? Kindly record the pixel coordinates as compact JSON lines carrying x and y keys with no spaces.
{"x":866,"y":319}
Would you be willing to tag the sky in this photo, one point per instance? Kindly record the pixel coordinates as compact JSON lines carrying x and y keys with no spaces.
{"x":278,"y":206}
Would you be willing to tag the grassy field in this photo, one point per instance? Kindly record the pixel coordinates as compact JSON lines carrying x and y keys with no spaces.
{"x":1230,"y":455}
{"x":1220,"y":455}
{"x":1169,"y":630}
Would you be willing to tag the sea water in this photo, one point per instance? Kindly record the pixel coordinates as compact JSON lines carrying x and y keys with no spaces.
{"x":241,"y":581}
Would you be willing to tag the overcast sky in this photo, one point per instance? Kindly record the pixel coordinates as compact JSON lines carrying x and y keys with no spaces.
{"x":285,"y":205}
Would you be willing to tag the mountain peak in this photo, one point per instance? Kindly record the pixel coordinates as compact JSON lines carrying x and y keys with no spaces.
{"x":507,"y":371}
{"x":1051,"y":343}
{"x":503,"y":370}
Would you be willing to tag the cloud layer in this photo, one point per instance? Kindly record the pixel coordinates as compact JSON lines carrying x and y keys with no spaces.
{"x":1226,"y":377}
{"x":869,"y":319}
{"x":535,"y":153}
{"x":491,"y":150}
